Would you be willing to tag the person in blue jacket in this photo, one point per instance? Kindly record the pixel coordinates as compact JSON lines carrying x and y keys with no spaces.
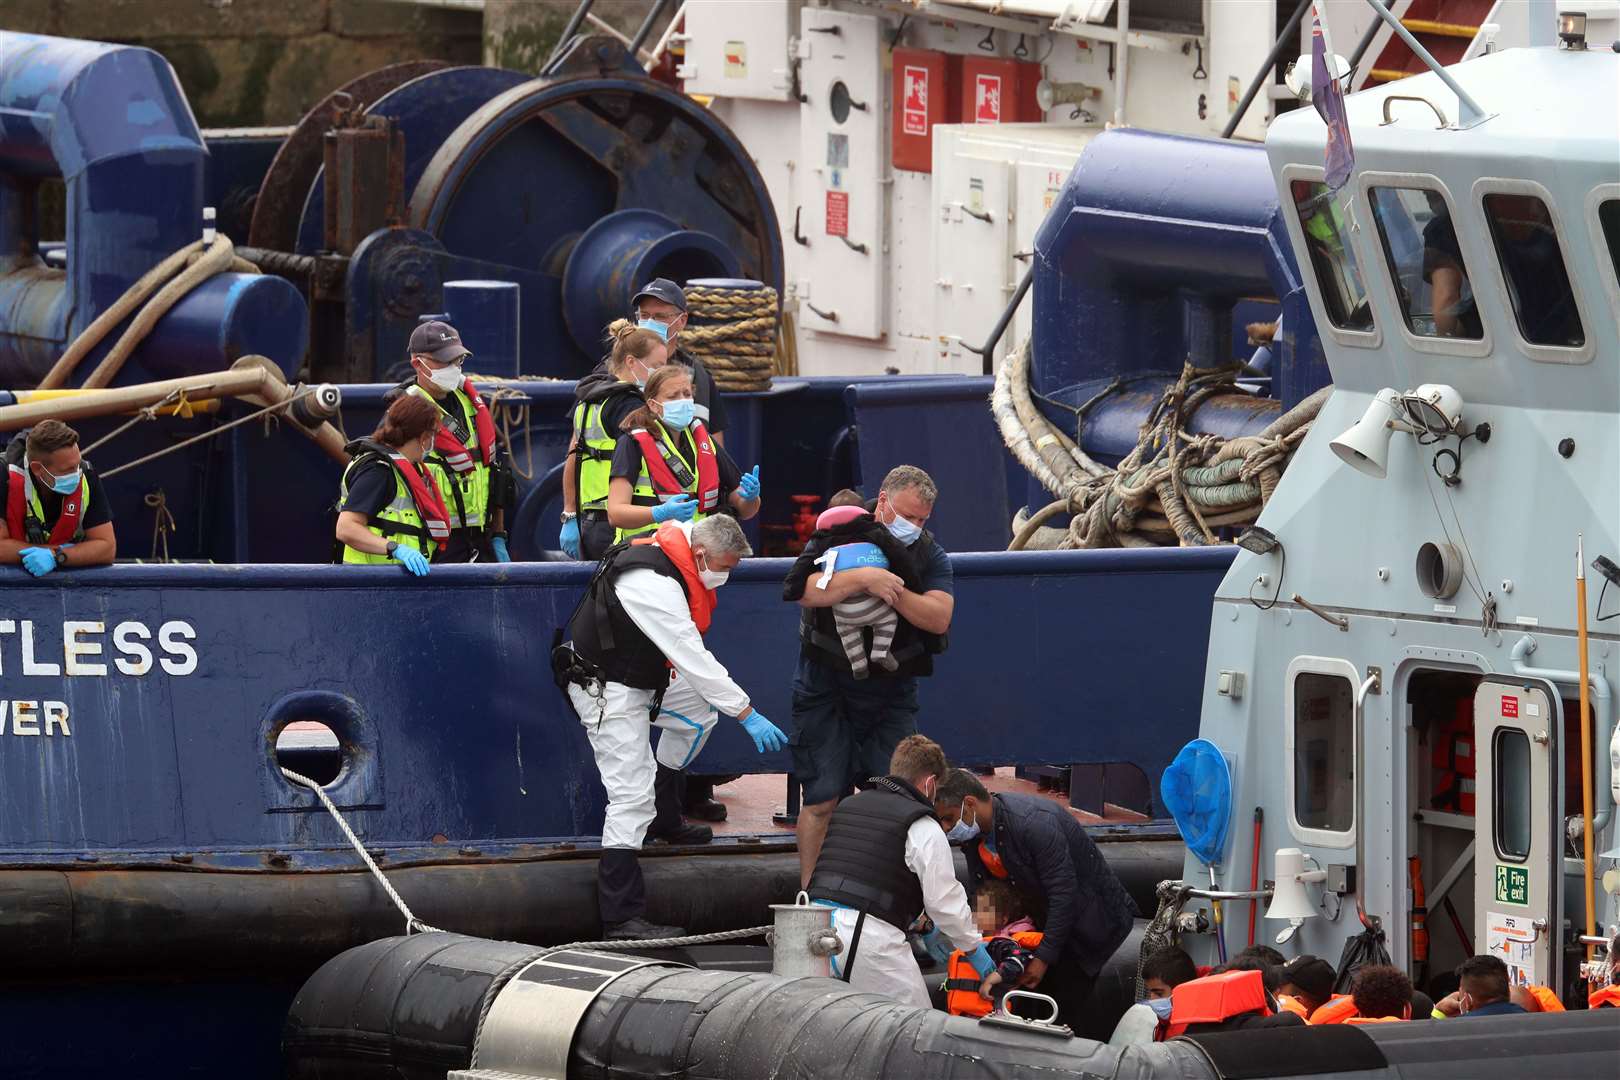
{"x":1035,"y":843}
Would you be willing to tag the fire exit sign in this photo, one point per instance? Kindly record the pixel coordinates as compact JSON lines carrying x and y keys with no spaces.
{"x":1512,"y":885}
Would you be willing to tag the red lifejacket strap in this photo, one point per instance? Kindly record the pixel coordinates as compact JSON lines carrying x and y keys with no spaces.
{"x":67,"y":522}
{"x":671,"y":540}
{"x":425,"y":493}
{"x":655,"y":454}
{"x":453,"y":450}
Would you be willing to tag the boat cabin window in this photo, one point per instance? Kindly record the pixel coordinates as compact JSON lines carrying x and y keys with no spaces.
{"x":1425,"y":261}
{"x":1609,"y":216}
{"x":1324,"y":752}
{"x":1533,"y":267}
{"x":1327,"y":237}
{"x":1511,"y":761}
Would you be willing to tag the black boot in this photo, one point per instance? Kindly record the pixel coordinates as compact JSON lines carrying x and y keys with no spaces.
{"x":621,"y":898}
{"x":668,"y":824}
{"x":701,"y":805}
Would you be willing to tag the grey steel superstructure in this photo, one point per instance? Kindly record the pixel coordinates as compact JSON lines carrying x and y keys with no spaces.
{"x":1371,"y":629}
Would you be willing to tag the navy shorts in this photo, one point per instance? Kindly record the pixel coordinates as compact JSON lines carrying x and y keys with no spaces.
{"x":845,"y":729}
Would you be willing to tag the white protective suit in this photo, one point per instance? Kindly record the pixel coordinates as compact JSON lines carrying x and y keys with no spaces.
{"x":883,"y":960}
{"x":618,"y":722}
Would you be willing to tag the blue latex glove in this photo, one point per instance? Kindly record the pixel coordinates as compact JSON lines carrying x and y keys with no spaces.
{"x":766,"y":735}
{"x":680,"y":508}
{"x":412,"y":560}
{"x":748,"y":486}
{"x":982,"y":964}
{"x":569,"y":538}
{"x":498,"y":545}
{"x":38,"y":561}
{"x":938,"y":946}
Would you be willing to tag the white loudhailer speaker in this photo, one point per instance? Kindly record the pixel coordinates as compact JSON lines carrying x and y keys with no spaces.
{"x":1365,"y":447}
{"x":1288,"y":897}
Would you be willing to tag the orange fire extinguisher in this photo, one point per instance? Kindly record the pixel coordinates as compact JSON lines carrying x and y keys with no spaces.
{"x":1420,"y":918}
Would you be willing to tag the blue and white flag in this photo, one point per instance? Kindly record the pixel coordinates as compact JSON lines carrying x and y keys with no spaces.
{"x":1327,"y":94}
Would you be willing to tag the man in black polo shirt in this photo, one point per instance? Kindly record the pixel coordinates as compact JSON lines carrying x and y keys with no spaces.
{"x":664,"y":302}
{"x":56,"y":513}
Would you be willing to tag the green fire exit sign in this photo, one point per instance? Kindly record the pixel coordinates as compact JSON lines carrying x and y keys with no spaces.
{"x":1512,"y":885}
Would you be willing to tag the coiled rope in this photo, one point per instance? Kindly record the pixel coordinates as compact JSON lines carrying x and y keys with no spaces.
{"x":153,"y":295}
{"x":1173,"y":487}
{"x":734,"y":332}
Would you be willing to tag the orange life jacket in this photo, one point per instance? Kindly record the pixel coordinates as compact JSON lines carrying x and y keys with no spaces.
{"x":1339,"y":1008}
{"x":1451,"y":759}
{"x":962,"y":982}
{"x":1215,"y":998}
{"x":1293,"y":1005}
{"x":1606,"y":998}
{"x":992,"y":861}
{"x":1376,"y":1019}
{"x":1546,"y":998}
{"x":671,"y":540}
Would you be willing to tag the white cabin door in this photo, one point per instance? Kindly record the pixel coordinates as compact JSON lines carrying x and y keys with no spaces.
{"x":1517,"y":863}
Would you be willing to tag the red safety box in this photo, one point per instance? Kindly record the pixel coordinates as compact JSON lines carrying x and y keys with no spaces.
{"x":927,"y":90}
{"x":999,"y":91}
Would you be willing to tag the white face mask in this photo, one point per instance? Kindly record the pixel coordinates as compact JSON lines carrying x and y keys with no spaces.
{"x":445,"y":378}
{"x":712,"y":579}
{"x":902,"y":529}
{"x":963,"y":830}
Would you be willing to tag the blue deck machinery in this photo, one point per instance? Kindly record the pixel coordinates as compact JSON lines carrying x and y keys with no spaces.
{"x":148,"y":830}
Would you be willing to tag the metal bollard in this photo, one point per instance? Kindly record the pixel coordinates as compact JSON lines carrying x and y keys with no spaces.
{"x":803,"y":940}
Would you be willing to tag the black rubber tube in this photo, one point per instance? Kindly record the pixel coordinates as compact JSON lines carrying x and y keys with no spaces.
{"x":409,"y":1009}
{"x":110,"y":921}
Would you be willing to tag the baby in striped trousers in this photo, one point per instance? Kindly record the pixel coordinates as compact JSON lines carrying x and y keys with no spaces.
{"x":862,"y":610}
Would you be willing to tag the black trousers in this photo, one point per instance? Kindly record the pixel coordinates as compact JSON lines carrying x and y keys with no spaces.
{"x":621,"y":894}
{"x":1071,"y":988}
{"x":596,"y":534}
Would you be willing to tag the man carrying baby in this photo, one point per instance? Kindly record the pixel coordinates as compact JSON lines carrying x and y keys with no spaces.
{"x":846,"y":728}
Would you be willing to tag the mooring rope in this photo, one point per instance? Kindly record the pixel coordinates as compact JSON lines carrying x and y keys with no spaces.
{"x":1172,"y":488}
{"x":734,"y":333}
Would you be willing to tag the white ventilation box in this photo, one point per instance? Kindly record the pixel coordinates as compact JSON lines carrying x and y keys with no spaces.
{"x":992,"y":187}
{"x":739,"y":50}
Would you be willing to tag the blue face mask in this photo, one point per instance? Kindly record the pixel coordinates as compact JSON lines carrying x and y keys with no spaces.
{"x":64,"y":485}
{"x":678,"y":413}
{"x":963,"y":830}
{"x":902,"y":529}
{"x":1160,"y":1007}
{"x":656,"y":327}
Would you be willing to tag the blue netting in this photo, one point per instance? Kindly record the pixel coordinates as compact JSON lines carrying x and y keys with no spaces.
{"x":1197,"y":790}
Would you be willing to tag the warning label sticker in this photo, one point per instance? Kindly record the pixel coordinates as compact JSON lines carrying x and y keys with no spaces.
{"x":736,"y":60}
{"x":914,"y":101}
{"x":1510,"y":706}
{"x":1512,"y":939}
{"x":837,"y":213}
{"x":987,"y":99}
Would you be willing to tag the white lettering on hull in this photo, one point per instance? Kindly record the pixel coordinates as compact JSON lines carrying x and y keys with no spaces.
{"x":24,"y":717}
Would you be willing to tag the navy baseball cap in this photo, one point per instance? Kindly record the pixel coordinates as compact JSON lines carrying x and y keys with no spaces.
{"x":662,"y":289}
{"x":439,"y":341}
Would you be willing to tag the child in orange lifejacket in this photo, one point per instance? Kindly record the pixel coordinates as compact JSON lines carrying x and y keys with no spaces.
{"x":1011,"y":939}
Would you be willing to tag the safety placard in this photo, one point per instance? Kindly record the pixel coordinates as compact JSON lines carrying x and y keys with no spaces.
{"x":736,"y":60}
{"x":1510,"y":706}
{"x":1512,"y":885}
{"x":1512,"y":939}
{"x":987,"y":99}
{"x":837,"y":213}
{"x":914,"y":102}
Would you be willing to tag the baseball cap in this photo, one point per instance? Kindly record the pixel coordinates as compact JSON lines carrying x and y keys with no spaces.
{"x":438,"y":340}
{"x":662,"y":289}
{"x":1311,"y":974}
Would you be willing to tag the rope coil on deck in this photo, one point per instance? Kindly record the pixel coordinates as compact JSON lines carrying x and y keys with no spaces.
{"x":734,"y":332}
{"x":1172,"y":488}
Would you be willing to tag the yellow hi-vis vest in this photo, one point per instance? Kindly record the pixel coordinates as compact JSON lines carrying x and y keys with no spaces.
{"x":399,"y":520}
{"x":595,"y":449}
{"x":644,"y":494}
{"x":466,"y":494}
